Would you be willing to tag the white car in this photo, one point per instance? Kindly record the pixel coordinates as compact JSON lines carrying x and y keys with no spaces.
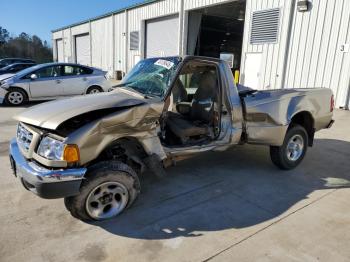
{"x":52,"y":81}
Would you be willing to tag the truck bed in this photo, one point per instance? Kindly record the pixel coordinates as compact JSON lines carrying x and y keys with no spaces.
{"x":269,"y":112}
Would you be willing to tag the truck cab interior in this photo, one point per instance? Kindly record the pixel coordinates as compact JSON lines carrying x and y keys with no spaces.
{"x":192,"y":114}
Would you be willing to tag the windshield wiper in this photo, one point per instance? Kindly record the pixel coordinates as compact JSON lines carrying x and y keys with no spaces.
{"x":132,"y":88}
{"x":123,"y":84}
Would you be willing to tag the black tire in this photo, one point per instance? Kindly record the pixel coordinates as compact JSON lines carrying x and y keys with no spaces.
{"x":94,"y":90}
{"x":18,"y":91}
{"x":279,"y":154}
{"x":112,"y":171}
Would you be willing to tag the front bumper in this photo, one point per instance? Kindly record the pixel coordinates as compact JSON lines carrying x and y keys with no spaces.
{"x":46,"y":183}
{"x":3,"y":93}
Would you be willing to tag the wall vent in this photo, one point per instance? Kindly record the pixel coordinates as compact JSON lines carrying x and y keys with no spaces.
{"x":134,"y":40}
{"x":264,"y":26}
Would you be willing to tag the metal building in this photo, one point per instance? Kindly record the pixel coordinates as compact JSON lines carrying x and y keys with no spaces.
{"x":274,"y":43}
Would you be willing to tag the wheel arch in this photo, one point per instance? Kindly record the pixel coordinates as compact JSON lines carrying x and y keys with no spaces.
{"x":92,"y":86}
{"x":306,"y":120}
{"x":129,"y":150}
{"x":21,"y":88}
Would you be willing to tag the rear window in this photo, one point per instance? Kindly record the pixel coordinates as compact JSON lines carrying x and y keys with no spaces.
{"x":86,"y":71}
{"x":70,"y":70}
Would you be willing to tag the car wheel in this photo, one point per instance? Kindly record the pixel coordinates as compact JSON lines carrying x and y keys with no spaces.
{"x":94,"y":90}
{"x":107,"y":190}
{"x":293,"y":150}
{"x":15,"y":97}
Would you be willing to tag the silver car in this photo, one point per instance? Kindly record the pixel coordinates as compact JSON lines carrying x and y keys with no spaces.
{"x":52,"y":81}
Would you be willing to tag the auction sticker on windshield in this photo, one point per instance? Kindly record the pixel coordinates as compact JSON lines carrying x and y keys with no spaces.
{"x":164,"y":63}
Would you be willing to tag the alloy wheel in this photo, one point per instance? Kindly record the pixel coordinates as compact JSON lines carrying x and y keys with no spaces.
{"x":295,"y":147}
{"x":15,"y":98}
{"x":107,"y":200}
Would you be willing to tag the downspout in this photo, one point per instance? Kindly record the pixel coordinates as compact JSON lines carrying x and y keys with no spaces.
{"x":181,"y":28}
{"x":347,"y":101}
{"x":54,"y":49}
{"x":72,"y":46}
{"x":90,"y":42}
{"x":126,"y":40}
{"x":64,"y":46}
{"x":288,"y":43}
{"x":113,"y":46}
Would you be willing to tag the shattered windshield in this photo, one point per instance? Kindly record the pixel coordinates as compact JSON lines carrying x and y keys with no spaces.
{"x":152,"y":77}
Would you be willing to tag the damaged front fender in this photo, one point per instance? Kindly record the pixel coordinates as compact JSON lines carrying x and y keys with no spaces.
{"x":140,"y":122}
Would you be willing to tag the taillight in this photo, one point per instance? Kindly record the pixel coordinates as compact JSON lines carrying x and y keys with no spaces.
{"x":332,"y":103}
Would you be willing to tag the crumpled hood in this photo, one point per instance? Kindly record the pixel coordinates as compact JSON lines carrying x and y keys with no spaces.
{"x":51,"y":114}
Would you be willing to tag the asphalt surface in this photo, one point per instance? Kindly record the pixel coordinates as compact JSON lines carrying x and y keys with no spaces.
{"x":227,"y":206}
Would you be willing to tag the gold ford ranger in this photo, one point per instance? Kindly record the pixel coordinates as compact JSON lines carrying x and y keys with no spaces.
{"x":90,"y":149}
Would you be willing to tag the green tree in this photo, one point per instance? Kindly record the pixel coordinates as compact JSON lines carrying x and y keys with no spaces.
{"x":24,"y":46}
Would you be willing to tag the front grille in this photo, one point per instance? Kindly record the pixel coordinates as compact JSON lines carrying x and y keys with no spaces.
{"x":24,"y":137}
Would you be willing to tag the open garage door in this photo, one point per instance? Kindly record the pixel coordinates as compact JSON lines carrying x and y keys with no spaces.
{"x":59,"y":54}
{"x":162,"y":36}
{"x":217,"y":31}
{"x":82,"y":49}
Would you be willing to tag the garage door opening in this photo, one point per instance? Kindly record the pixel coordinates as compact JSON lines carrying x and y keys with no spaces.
{"x":162,"y":37}
{"x":217,"y":32}
{"x":82,"y":49}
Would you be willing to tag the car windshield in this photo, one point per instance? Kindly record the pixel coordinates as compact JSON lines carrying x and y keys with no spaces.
{"x":3,"y":62}
{"x":29,"y":70}
{"x":7,"y":67}
{"x":152,"y":77}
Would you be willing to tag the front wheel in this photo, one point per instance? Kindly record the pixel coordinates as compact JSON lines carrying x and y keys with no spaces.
{"x":15,"y":97}
{"x":94,"y":90}
{"x":293,"y":150}
{"x":108,"y":189}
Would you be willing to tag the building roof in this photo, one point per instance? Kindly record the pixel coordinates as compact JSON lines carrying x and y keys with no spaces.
{"x":145,"y":2}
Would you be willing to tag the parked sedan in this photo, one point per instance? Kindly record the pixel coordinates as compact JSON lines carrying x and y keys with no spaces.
{"x":14,"y":68}
{"x":52,"y":81}
{"x":8,"y":61}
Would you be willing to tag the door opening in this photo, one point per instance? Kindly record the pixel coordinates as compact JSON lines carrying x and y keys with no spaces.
{"x":218,"y":32}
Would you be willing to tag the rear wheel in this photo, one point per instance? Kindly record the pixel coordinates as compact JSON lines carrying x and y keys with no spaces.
{"x":16,"y":97}
{"x":293,"y":150}
{"x":94,"y":90}
{"x":108,"y":189}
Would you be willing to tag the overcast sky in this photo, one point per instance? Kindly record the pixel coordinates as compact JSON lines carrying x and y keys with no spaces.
{"x":39,"y":17}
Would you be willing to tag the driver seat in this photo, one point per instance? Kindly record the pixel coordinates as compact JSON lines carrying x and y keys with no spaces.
{"x":198,"y":121}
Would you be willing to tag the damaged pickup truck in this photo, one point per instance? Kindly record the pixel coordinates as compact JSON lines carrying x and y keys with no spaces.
{"x":90,"y":150}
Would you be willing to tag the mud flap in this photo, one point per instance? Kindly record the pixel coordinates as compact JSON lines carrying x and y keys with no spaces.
{"x":155,"y":164}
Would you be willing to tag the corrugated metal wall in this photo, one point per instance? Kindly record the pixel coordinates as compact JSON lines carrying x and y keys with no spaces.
{"x":102,"y":43}
{"x":136,"y":19}
{"x":193,"y":4}
{"x":273,"y":55}
{"x":315,"y":56}
{"x":67,"y":45}
{"x":120,"y":48}
{"x":307,"y":54}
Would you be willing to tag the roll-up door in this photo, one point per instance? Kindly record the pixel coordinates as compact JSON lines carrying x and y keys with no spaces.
{"x":59,"y":46}
{"x":82,"y":49}
{"x":162,"y":36}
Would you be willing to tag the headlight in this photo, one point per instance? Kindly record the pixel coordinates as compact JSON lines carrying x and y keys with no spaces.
{"x":4,"y":85}
{"x":50,"y":148}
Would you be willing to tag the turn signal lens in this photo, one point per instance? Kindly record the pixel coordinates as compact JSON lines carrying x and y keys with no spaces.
{"x":71,"y":153}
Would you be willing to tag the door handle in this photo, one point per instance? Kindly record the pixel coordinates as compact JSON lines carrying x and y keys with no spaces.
{"x":84,"y":78}
{"x":58,"y":81}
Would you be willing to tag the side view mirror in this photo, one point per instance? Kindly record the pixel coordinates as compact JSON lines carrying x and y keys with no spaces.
{"x":33,"y":76}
